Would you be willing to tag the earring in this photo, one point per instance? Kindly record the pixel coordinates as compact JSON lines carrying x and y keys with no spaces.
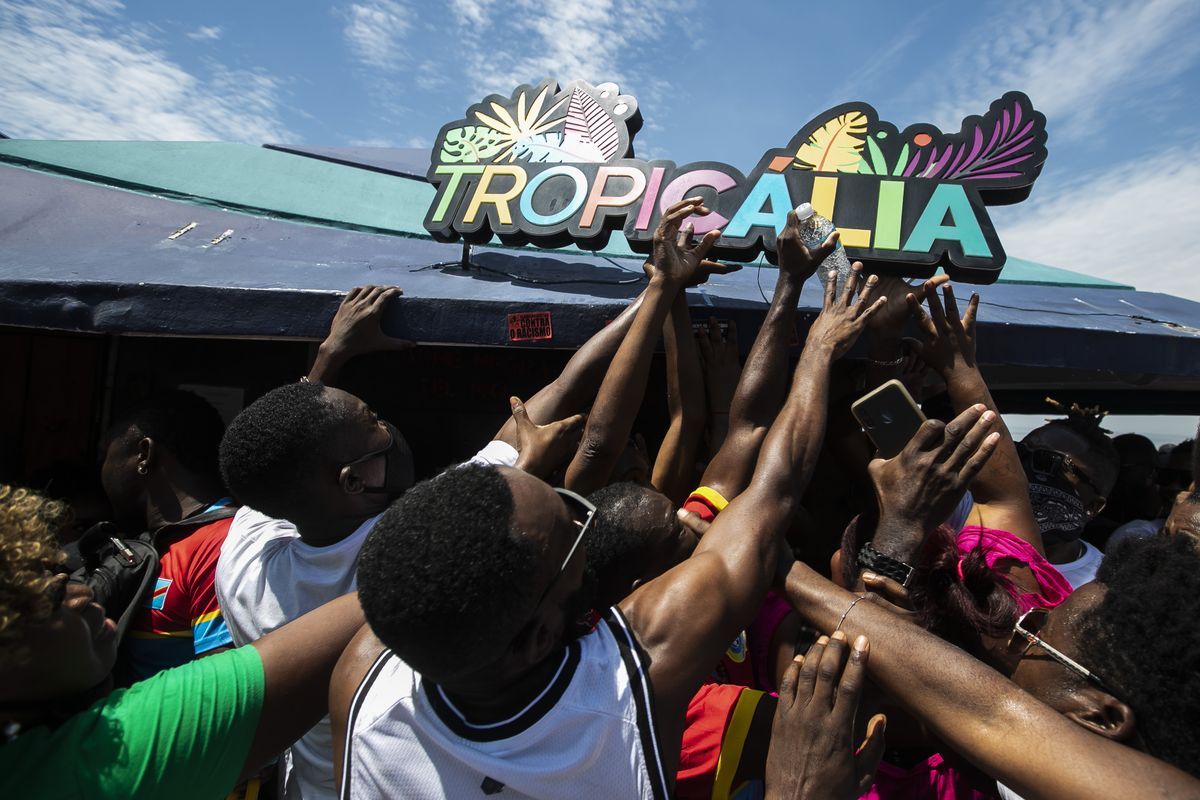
{"x":141,"y":469}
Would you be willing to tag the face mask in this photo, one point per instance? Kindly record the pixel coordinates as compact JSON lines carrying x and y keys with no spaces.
{"x":397,"y":466}
{"x":1057,"y":506}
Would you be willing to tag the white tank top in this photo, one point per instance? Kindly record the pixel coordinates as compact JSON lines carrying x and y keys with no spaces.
{"x":589,"y":734}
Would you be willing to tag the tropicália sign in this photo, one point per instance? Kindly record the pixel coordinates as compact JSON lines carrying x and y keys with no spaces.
{"x":553,"y":166}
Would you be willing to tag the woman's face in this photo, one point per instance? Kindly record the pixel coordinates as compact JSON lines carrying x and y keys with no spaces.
{"x":1041,"y":675}
{"x":70,"y":653}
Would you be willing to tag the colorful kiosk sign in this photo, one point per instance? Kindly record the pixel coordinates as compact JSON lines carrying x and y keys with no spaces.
{"x":553,"y":166}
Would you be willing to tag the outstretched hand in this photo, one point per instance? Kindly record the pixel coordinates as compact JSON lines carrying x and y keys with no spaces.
{"x":890,"y":321}
{"x":674,"y":257}
{"x":842,"y":319}
{"x":812,"y":751}
{"x":544,"y":449}
{"x":950,"y":339}
{"x":919,"y":488}
{"x":355,"y":328}
{"x":796,"y":259}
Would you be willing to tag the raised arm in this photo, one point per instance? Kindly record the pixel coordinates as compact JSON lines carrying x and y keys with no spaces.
{"x":718,"y":590}
{"x":763,"y":383}
{"x":674,"y":465}
{"x":885,"y":355}
{"x":1004,"y":731}
{"x":298,"y":660}
{"x":573,"y":391}
{"x":354,"y":331}
{"x":672,"y":268}
{"x":1001,"y":491}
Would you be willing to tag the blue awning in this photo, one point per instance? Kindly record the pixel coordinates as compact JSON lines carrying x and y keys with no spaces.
{"x":79,"y":256}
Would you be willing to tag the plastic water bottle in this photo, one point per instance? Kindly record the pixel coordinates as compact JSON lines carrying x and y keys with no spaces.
{"x":814,"y":230}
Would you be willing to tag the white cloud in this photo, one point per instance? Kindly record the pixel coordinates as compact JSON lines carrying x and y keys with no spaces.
{"x":376,"y":141}
{"x":206,"y":33}
{"x":535,"y":39}
{"x":1134,"y":223}
{"x":471,"y":12}
{"x":375,"y":30}
{"x":78,"y":70}
{"x":1073,"y":58}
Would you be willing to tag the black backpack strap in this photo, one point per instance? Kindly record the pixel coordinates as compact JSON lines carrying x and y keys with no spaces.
{"x":121,"y":572}
{"x":172,"y":529}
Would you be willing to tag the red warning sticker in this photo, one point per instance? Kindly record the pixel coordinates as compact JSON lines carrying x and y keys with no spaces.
{"x":529,"y":326}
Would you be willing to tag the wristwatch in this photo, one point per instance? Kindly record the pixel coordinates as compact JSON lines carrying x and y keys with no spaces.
{"x":888,"y":567}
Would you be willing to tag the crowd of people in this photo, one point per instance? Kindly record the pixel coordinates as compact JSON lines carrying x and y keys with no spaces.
{"x":764,"y":607}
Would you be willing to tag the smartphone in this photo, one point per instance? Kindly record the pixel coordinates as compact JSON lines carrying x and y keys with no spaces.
{"x":889,"y":416}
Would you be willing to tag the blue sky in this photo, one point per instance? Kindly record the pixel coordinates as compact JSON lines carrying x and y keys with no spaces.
{"x":724,"y":81}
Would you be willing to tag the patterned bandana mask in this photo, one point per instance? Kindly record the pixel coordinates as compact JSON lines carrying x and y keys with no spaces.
{"x":1056,"y":504}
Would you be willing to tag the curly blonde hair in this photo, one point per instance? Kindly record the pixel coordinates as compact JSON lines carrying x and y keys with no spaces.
{"x":29,"y":557}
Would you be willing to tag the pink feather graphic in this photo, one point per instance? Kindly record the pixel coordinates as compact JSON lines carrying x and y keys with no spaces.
{"x":586,"y":120}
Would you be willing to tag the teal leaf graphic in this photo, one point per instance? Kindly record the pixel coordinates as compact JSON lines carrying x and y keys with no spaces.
{"x":470,"y":144}
{"x":878,"y":162}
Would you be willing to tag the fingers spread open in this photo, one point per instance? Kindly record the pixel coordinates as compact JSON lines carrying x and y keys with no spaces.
{"x":929,"y":286}
{"x":830,"y":288}
{"x":951,"y":306}
{"x":935,"y":308}
{"x":968,"y":319}
{"x":706,"y":243}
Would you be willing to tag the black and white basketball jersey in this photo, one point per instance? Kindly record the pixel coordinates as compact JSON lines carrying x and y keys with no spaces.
{"x":589,"y":734}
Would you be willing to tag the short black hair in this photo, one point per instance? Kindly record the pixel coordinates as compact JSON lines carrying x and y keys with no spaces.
{"x":1142,"y":641}
{"x":617,"y":546}
{"x":272,"y":447}
{"x":442,"y":578}
{"x":182,"y":422}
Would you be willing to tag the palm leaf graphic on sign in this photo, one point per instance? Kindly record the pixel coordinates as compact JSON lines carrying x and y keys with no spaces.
{"x":1010,"y":143}
{"x":836,"y":146}
{"x":470,"y":144}
{"x":587,"y":121}
{"x":527,"y":123}
{"x":554,"y":147}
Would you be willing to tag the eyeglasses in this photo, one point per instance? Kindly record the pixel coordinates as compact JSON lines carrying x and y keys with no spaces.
{"x":586,"y":511}
{"x":1025,"y":635}
{"x":1049,"y":462}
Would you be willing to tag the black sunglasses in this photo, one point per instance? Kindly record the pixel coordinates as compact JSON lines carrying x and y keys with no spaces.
{"x":1052,"y":462}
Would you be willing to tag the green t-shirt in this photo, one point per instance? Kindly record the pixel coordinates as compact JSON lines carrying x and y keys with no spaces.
{"x":185,"y":733}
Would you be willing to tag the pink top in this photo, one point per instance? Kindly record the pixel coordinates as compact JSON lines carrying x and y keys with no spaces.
{"x":998,"y":544}
{"x":932,"y":778}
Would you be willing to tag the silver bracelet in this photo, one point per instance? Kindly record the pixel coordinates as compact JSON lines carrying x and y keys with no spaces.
{"x":893,"y":363}
{"x":848,"y":610}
